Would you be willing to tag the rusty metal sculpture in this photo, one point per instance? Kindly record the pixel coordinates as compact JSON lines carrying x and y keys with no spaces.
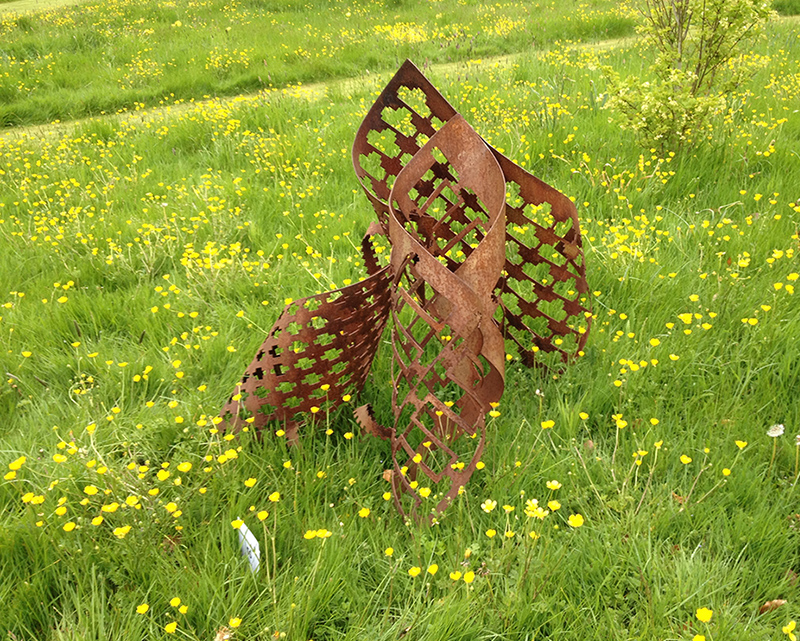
{"x":464,"y":282}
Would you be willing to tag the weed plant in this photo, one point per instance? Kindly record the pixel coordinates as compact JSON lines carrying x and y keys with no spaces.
{"x":636,"y":494}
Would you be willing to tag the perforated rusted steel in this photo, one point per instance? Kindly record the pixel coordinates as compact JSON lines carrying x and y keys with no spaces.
{"x":485,"y":257}
{"x":446,"y":226}
{"x":319,"y":350}
{"x":544,"y":277}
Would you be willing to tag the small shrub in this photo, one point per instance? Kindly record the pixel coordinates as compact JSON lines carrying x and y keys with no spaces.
{"x":695,"y":44}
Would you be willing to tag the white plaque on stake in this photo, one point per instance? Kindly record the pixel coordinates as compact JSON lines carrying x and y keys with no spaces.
{"x":250,"y":549}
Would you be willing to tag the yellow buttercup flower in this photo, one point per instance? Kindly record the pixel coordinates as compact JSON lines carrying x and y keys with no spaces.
{"x":704,"y":614}
{"x":575,"y":520}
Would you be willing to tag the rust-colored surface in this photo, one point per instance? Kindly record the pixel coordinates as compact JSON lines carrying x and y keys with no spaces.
{"x":448,"y":249}
{"x":319,"y":350}
{"x":485,"y":258}
{"x":544,"y":274}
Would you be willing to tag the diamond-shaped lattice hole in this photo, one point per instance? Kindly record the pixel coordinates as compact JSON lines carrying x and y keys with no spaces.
{"x":332,"y":354}
{"x":312,"y":378}
{"x":474,"y":207}
{"x":513,"y":197}
{"x":554,"y":256}
{"x":284,"y":387}
{"x":294,"y":327}
{"x":553,"y":308}
{"x":538,"y":325}
{"x":565,"y":288}
{"x":539,"y":272}
{"x":324,"y":339}
{"x":371,"y":163}
{"x":292,"y":402}
{"x":438,"y":156}
{"x":400,"y":119}
{"x":430,"y":381}
{"x":437,"y":459}
{"x":298,"y":347}
{"x":261,"y":392}
{"x":539,"y":214}
{"x":423,"y":333}
{"x":562,"y":228}
{"x":405,"y":316}
{"x":406,"y":411}
{"x":339,"y":367}
{"x":417,"y":435}
{"x":384,"y":141}
{"x":414,"y":98}
{"x":312,"y":304}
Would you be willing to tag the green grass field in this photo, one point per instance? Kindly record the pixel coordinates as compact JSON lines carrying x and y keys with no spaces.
{"x":144,"y":254}
{"x":155,"y":52}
